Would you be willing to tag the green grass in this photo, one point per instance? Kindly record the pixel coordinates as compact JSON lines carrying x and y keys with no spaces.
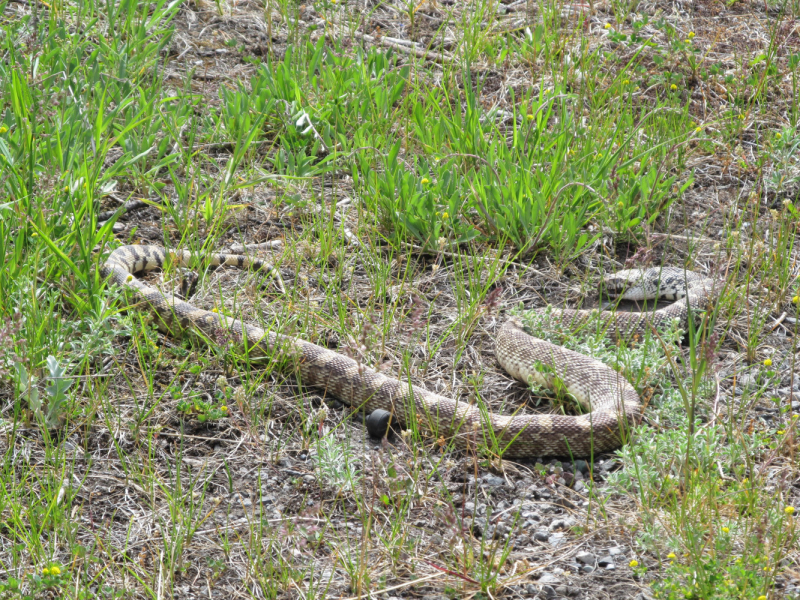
{"x":414,"y":200}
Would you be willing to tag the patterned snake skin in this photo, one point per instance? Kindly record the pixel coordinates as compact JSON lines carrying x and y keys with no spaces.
{"x":613,"y":403}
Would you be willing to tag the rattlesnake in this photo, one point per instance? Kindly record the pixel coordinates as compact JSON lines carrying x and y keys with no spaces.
{"x":612,"y":401}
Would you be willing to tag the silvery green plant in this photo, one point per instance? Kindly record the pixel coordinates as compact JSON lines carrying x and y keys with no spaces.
{"x":51,"y":407}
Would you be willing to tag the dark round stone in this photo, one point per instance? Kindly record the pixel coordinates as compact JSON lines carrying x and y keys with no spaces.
{"x":378,"y":423}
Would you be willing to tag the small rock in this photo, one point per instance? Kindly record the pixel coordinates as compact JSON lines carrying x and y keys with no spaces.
{"x":605,"y":561}
{"x":561,"y":590}
{"x":469,"y":507}
{"x":493,"y":480}
{"x":615,"y":551}
{"x":548,"y":579}
{"x":556,"y":540}
{"x":579,"y":486}
{"x":434,"y":597}
{"x":581,"y":466}
{"x":563,"y":524}
{"x":530,"y":589}
{"x":587,"y":569}
{"x":548,"y":591}
{"x":476,"y":530}
{"x":541,"y":535}
{"x":586,"y":558}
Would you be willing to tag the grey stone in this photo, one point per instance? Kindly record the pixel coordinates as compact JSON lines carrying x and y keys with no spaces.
{"x":579,"y":486}
{"x":582,"y":466}
{"x":605,"y":561}
{"x":587,"y":569}
{"x":586,"y":558}
{"x":541,"y":535}
{"x":557,"y":540}
{"x":469,"y":507}
{"x":548,"y":591}
{"x":548,"y":578}
{"x":563,"y":524}
{"x":561,"y":590}
{"x":493,"y":480}
{"x":615,"y":551}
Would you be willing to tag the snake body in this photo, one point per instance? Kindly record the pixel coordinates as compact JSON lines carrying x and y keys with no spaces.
{"x":612,"y":402}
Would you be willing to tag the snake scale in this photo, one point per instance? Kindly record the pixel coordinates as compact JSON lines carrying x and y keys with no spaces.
{"x":612,"y":402}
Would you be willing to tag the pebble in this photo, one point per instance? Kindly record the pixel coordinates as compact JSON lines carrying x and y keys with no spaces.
{"x":606,"y":561}
{"x":548,"y":591}
{"x":563,"y":524}
{"x":493,"y":480}
{"x":548,"y":578}
{"x":541,"y":535}
{"x":586,"y":558}
{"x":581,"y":466}
{"x":557,"y":539}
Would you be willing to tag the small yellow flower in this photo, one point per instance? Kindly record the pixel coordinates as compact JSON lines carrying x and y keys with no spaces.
{"x":530,"y":117}
{"x":671,"y":556}
{"x":725,"y":530}
{"x":223,"y":408}
{"x":767,"y":569}
{"x":698,"y":129}
{"x":762,"y":597}
{"x":796,"y":300}
{"x":673,"y":87}
{"x":621,"y":204}
{"x":789,"y":510}
{"x":445,"y":215}
{"x":607,"y":25}
{"x":688,"y":40}
{"x":691,"y":34}
{"x":425,"y":181}
{"x":3,"y":130}
{"x":599,"y":155}
{"x":768,"y":362}
{"x":741,"y":117}
{"x":46,"y":571}
{"x":780,"y":432}
{"x":129,"y":278}
{"x":778,"y":135}
{"x":55,"y":570}
{"x":215,"y":310}
{"x":626,"y":82}
{"x":633,"y":564}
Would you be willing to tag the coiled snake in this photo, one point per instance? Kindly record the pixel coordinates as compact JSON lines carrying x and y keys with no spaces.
{"x":612,"y":402}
